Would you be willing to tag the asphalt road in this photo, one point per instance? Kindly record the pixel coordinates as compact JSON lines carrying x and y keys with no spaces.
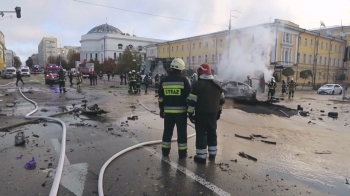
{"x":93,"y":140}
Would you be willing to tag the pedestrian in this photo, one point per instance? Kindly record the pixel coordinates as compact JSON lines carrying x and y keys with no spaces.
{"x":108,"y":75}
{"x":291,"y":87}
{"x":204,"y":109}
{"x":61,"y":81}
{"x":156,"y":83}
{"x":284,"y":87}
{"x":95,"y":78}
{"x":70,"y":75}
{"x":249,"y":81}
{"x":91,"y":78}
{"x":19,"y":77}
{"x":112,"y":75}
{"x":121,"y":78}
{"x":125,"y":78}
{"x":272,"y":87}
{"x":146,"y":81}
{"x":133,"y":82}
{"x":173,"y":92}
{"x":138,"y":83}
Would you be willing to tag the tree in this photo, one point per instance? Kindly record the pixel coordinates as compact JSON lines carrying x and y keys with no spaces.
{"x":305,"y":74}
{"x":29,"y":62}
{"x":17,"y":61}
{"x":72,"y":57}
{"x":126,"y":61}
{"x":288,"y":71}
{"x":52,"y":60}
{"x":107,"y":66}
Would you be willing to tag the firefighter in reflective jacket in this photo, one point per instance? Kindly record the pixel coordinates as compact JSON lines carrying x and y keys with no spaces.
{"x":133,"y":82}
{"x":272,"y":88}
{"x":173,"y":92}
{"x":138,"y":83}
{"x":204,"y":109}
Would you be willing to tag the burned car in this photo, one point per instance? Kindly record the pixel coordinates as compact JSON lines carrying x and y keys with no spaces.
{"x":238,"y":90}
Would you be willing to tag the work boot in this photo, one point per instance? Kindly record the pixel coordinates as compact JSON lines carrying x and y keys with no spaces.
{"x":199,"y":159}
{"x":165,"y":152}
{"x":182,"y":154}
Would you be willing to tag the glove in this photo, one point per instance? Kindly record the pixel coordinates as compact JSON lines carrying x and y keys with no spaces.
{"x":191,"y":117}
{"x":218,"y":115}
{"x":161,"y":114}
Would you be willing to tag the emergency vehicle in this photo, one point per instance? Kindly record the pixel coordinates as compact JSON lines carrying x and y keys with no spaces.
{"x":51,"y":73}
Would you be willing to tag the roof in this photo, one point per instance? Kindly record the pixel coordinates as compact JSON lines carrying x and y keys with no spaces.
{"x":105,"y":28}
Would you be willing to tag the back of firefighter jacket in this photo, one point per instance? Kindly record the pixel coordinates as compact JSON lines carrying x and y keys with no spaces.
{"x":173,"y":92}
{"x":206,"y":97}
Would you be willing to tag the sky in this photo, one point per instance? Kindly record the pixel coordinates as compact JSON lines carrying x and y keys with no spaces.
{"x":67,"y":20}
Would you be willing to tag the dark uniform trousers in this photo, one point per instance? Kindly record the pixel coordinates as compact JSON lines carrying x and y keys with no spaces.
{"x":156,"y":86}
{"x":138,"y":87}
{"x":205,"y":125}
{"x":170,"y":120}
{"x":62,"y":85}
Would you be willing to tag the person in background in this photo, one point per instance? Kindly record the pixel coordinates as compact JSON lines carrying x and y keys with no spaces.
{"x":249,"y":81}
{"x":19,"y":77}
{"x":291,"y":87}
{"x":95,"y":78}
{"x":121,"y":78}
{"x":62,"y":81}
{"x":272,"y":88}
{"x":70,"y":75}
{"x":79,"y":80}
{"x":146,"y":83}
{"x":108,"y":75}
{"x":91,"y":78}
{"x":284,"y":87}
{"x":138,"y":83}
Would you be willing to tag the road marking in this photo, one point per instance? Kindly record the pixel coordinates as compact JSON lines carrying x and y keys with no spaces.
{"x":187,"y":172}
{"x":73,"y":176}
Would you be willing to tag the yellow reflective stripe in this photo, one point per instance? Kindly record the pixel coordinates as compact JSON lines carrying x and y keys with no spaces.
{"x":182,"y":147}
{"x":173,"y":83}
{"x":222,"y":95}
{"x":173,"y":87}
{"x":192,"y":97}
{"x":174,"y":111}
{"x":166,"y":146}
{"x":160,"y":99}
{"x":190,"y":109}
{"x":220,"y":107}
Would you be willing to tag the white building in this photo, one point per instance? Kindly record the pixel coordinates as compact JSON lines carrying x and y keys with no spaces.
{"x":106,"y":41}
{"x":47,"y":47}
{"x":9,"y":55}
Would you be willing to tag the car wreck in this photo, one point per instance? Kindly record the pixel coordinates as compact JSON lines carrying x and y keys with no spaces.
{"x":238,"y":91}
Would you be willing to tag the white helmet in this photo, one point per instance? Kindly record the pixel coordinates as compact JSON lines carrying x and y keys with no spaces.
{"x":291,"y":79}
{"x":133,"y":71}
{"x":177,"y":64}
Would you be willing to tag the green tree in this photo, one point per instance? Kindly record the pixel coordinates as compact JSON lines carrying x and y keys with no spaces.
{"x":288,"y":71}
{"x":129,"y":60}
{"x":29,"y":62}
{"x":305,"y":74}
{"x":17,"y":61}
{"x":52,"y":60}
{"x":72,"y":57}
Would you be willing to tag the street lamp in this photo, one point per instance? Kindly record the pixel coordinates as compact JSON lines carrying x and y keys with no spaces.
{"x":229,"y":31}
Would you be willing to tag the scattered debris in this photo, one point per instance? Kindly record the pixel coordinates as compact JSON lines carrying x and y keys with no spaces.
{"x":30,"y":164}
{"x":269,"y":142}
{"x":302,"y":113}
{"x":322,"y":111}
{"x":323,"y":152}
{"x":234,"y":160}
{"x":44,"y":124}
{"x":35,"y":135}
{"x":333,"y":114}
{"x":92,"y":110}
{"x":244,"y":155}
{"x":19,"y":139}
{"x":300,"y":108}
{"x":257,"y":135}
{"x":19,"y":157}
{"x":44,"y":110}
{"x":77,"y":124}
{"x":284,"y":113}
{"x":43,"y":184}
{"x":244,"y":137}
{"x":10,"y":105}
{"x":133,"y":118}
{"x":346,"y":181}
{"x":110,"y":128}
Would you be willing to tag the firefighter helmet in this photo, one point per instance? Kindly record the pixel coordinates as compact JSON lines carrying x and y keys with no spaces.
{"x":204,"y":69}
{"x":133,"y":71}
{"x":291,"y":79}
{"x":177,"y":64}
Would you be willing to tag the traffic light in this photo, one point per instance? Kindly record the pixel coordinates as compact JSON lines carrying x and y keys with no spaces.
{"x":18,"y":12}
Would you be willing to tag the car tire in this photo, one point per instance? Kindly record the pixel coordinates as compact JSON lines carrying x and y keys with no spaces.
{"x":333,"y":92}
{"x":341,"y":92}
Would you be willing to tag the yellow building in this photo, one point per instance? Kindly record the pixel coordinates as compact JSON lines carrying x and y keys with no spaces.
{"x":2,"y":51}
{"x":287,"y":45}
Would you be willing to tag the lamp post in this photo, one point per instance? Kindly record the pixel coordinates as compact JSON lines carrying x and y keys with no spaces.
{"x":229,"y":31}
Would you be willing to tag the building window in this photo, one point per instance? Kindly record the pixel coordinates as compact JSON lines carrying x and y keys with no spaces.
{"x":140,"y":48}
{"x":205,"y":58}
{"x":221,"y":42}
{"x":206,"y":44}
{"x":325,"y":60}
{"x":115,"y":56}
{"x":90,"y":56}
{"x":199,"y":59}
{"x":131,"y":46}
{"x":321,"y":45}
{"x":182,"y":47}
{"x":298,"y":58}
{"x":311,"y":42}
{"x":95,"y":56}
{"x":187,"y":60}
{"x":163,"y":50}
{"x":304,"y":59}
{"x":334,"y":62}
{"x":320,"y":63}
{"x":287,"y":38}
{"x":200,"y":45}
{"x":213,"y":43}
{"x":193,"y":45}
{"x":338,"y":63}
{"x":120,"y":46}
{"x":286,"y":54}
{"x":177,"y":48}
{"x":319,"y":75}
{"x":213,"y":58}
{"x":220,"y":57}
{"x":335,"y":48}
{"x":192,"y":60}
{"x":305,"y":43}
{"x":326,"y":46}
{"x":310,"y":59}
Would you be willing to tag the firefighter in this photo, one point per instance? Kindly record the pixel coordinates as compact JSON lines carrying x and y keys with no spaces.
{"x":147,"y":80}
{"x":249,"y":81}
{"x":162,"y":77}
{"x":173,"y":92}
{"x":204,"y":109}
{"x":61,"y":81}
{"x":291,"y":88}
{"x":79,"y":80}
{"x":272,"y":87}
{"x":95,"y":78}
{"x":133,"y":82}
{"x":284,"y":87}
{"x":156,"y":83}
{"x":70,"y":75}
{"x":91,"y":78}
{"x":138,"y":83}
{"x":18,"y":77}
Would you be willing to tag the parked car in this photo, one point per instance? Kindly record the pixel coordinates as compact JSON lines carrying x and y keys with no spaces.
{"x":7,"y":74}
{"x":143,"y":79}
{"x":330,"y":89}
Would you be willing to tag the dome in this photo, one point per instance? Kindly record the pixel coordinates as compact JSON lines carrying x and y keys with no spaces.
{"x":105,"y":28}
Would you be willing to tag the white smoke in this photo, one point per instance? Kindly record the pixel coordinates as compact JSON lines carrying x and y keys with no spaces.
{"x":250,"y":51}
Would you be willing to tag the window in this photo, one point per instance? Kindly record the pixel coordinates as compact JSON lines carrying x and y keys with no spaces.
{"x":310,"y":59}
{"x":199,"y":59}
{"x":187,"y":60}
{"x":177,"y":48}
{"x":115,"y":56}
{"x":326,"y":46}
{"x":305,"y":42}
{"x":299,"y":40}
{"x":320,"y":63}
{"x":200,"y":45}
{"x":120,"y":46}
{"x":325,"y":60}
{"x":334,"y":62}
{"x":319,"y":75}
{"x":205,"y":58}
{"x":221,"y":42}
{"x":213,"y":43}
{"x":220,"y":57}
{"x":163,"y":50}
{"x":213,"y":58}
{"x":298,"y":58}
{"x":304,"y":60}
{"x":131,"y":46}
{"x":335,"y":48}
{"x":206,"y":44}
{"x":193,"y":45}
{"x":286,"y":54}
{"x":140,"y":48}
{"x":287,"y":38}
{"x":90,"y":55}
{"x":321,"y":45}
{"x":192,"y":60}
{"x":311,"y":42}
{"x":182,"y":47}
{"x":96,"y":56}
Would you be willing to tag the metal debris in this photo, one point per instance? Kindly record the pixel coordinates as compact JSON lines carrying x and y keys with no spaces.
{"x":244,"y":137}
{"x":269,"y":142}
{"x":247,"y":156}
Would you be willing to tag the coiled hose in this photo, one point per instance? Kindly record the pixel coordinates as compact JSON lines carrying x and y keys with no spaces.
{"x":59,"y":169}
{"x":105,"y":165}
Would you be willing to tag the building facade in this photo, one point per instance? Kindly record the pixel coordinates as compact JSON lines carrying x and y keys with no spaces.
{"x":35,"y":59}
{"x":46,"y":48}
{"x":278,"y":45}
{"x":9,"y":56}
{"x":2,"y":51}
{"x":105,"y":41}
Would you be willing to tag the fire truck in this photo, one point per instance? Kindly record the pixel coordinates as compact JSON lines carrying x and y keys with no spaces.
{"x":51,"y":73}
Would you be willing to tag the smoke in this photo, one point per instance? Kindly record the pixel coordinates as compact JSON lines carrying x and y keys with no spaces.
{"x":249,"y":54}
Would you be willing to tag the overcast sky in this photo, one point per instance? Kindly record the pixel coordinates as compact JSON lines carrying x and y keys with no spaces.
{"x":67,"y":20}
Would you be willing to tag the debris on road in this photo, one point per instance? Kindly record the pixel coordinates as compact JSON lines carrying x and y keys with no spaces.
{"x":302,"y":113}
{"x":30,"y":164}
{"x":333,"y":114}
{"x":92,"y":110}
{"x":346,"y":181}
{"x":323,"y":152}
{"x":268,"y":142}
{"x":77,"y":124}
{"x":19,"y":157}
{"x":247,"y":156}
{"x":133,"y":118}
{"x":110,"y":128}
{"x":19,"y":139}
{"x":244,"y":137}
{"x":300,"y":108}
{"x":257,"y":135}
{"x":35,"y":135}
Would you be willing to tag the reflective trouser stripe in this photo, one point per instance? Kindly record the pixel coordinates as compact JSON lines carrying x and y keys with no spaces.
{"x":160,"y":99}
{"x":190,"y":109}
{"x":222,"y":95}
{"x":201,"y":153}
{"x":220,"y":107}
{"x":174,"y":110}
{"x":182,"y":146}
{"x":166,"y":145}
{"x":212,"y":150}
{"x":192,"y":97}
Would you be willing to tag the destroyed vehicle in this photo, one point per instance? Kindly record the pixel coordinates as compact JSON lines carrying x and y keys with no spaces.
{"x":238,"y":90}
{"x":92,"y":110}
